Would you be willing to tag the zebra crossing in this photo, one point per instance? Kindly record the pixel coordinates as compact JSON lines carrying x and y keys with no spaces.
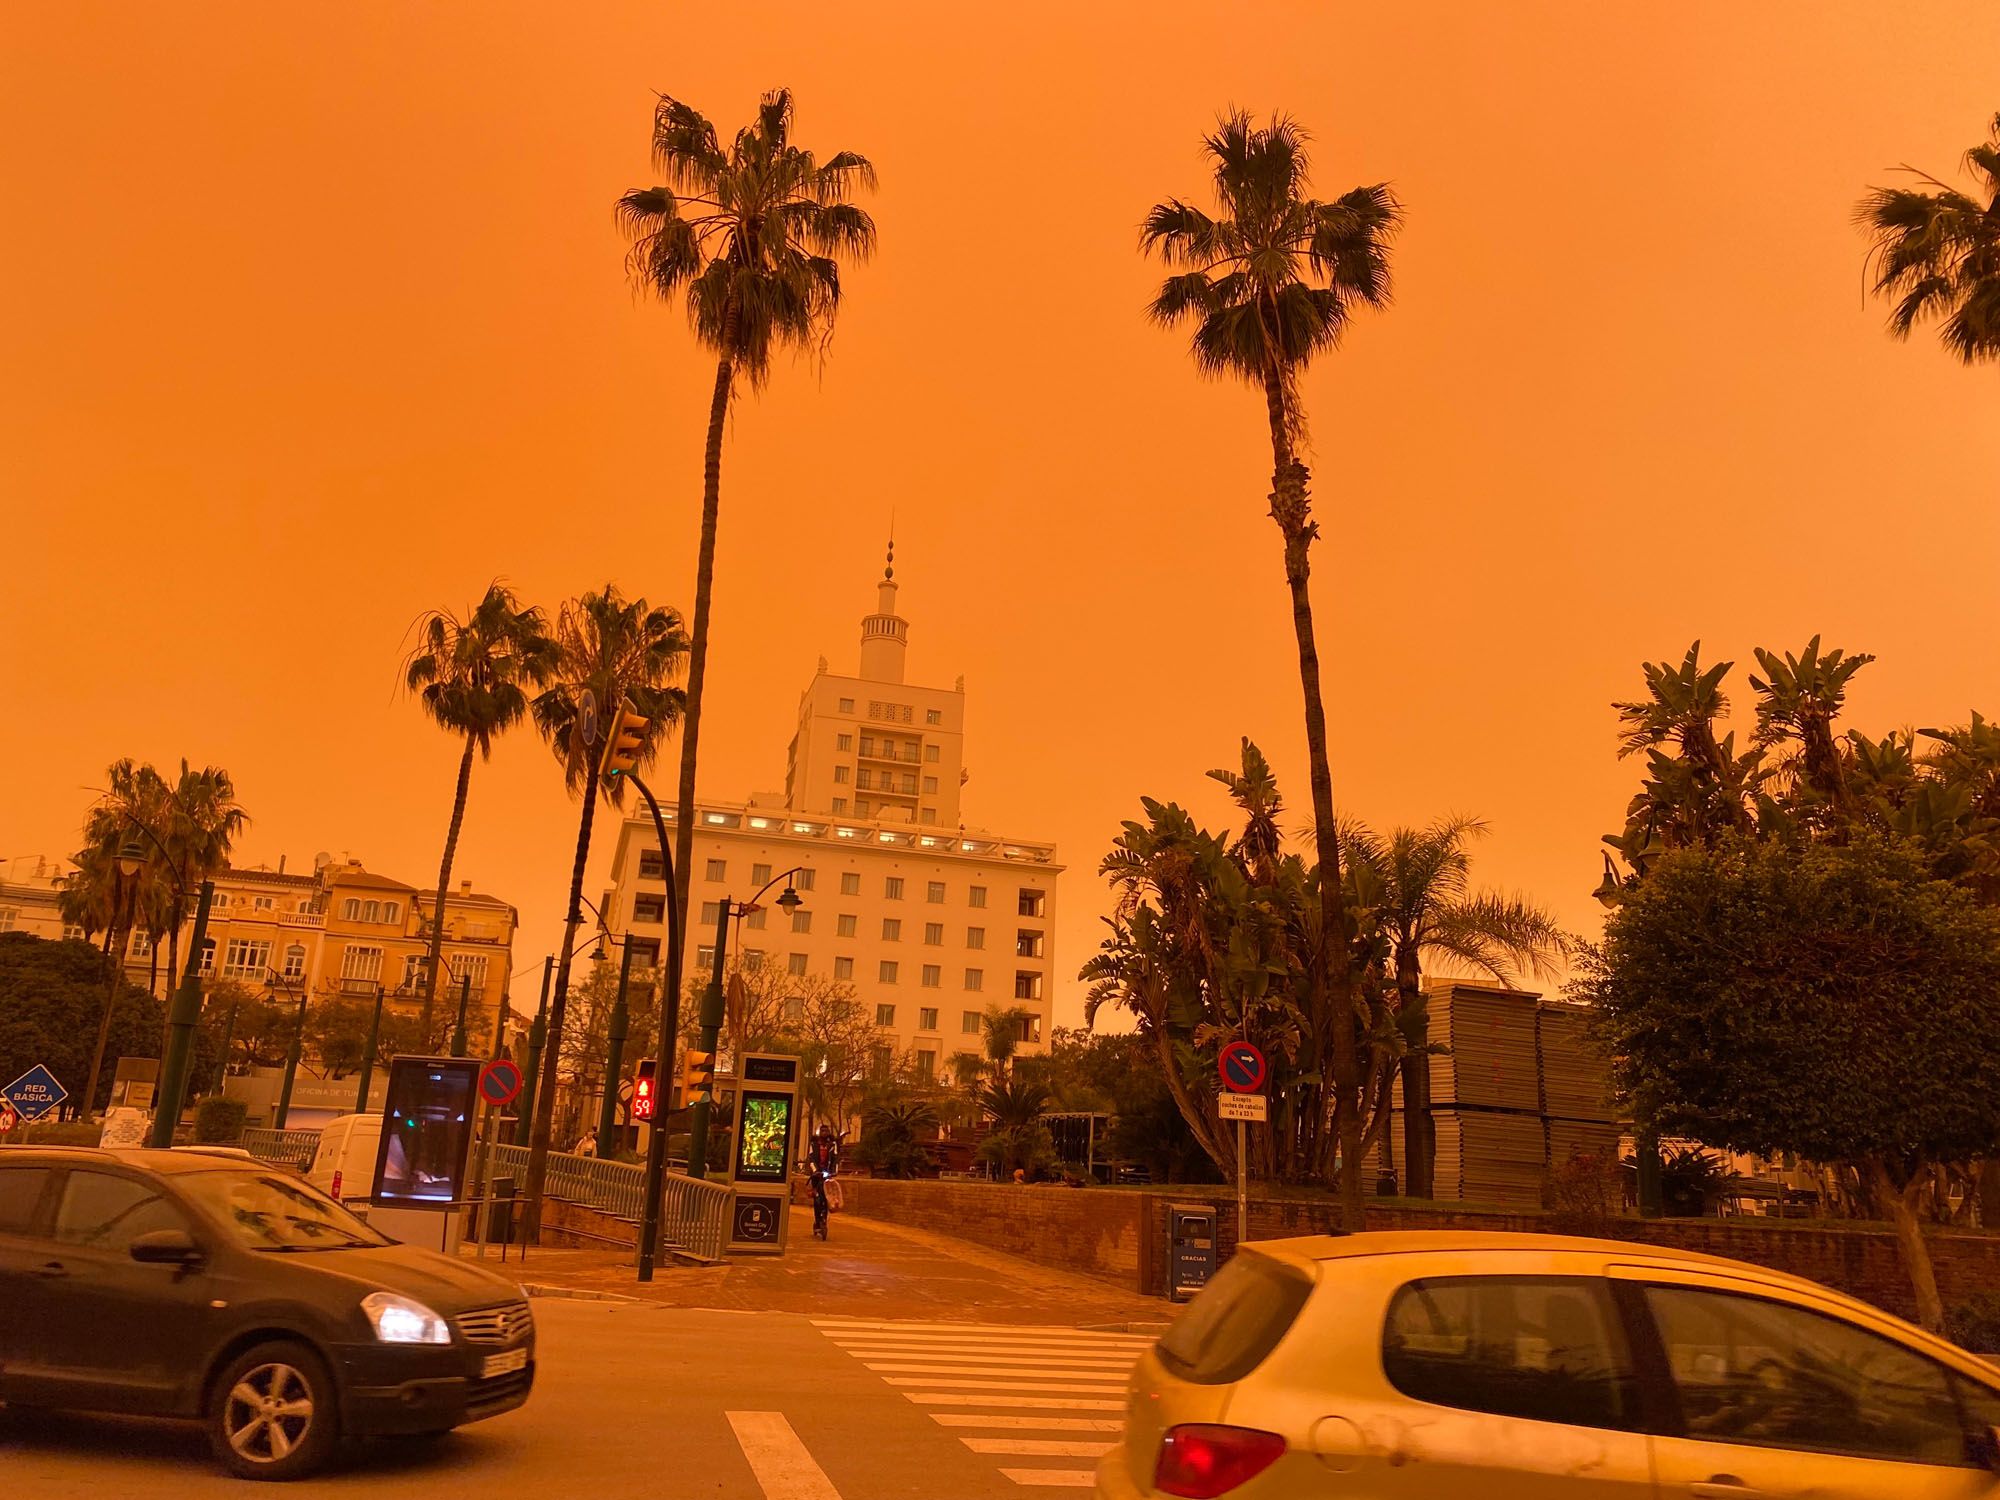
{"x":1046,"y":1402}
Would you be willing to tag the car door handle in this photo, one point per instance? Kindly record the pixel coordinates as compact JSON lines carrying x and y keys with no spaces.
{"x":1723,"y":1487}
{"x":51,"y":1270}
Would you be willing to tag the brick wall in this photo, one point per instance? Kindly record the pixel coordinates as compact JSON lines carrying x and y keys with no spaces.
{"x":1121,"y":1235}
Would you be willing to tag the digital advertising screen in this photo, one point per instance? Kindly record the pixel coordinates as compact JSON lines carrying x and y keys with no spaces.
{"x":426,"y":1130}
{"x":764,"y":1143}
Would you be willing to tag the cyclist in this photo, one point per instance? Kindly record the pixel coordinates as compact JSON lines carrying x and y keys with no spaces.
{"x":822,"y":1162}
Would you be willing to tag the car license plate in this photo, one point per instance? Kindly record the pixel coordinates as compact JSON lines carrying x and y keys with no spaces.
{"x":503,"y":1364}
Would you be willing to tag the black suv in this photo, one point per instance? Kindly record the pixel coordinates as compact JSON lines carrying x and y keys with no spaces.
{"x":180,"y":1284}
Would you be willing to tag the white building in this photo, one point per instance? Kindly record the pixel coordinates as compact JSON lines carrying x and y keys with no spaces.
{"x":930,"y":920}
{"x":31,"y":897}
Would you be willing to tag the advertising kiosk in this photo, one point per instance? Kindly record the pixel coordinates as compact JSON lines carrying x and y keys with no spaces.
{"x":426,"y":1147}
{"x":767,"y":1097}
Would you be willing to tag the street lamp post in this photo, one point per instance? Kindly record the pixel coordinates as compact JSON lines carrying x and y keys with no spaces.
{"x":621,"y":1027}
{"x":670,"y":1025}
{"x":228,"y":1041}
{"x":531,"y":1075}
{"x":292,"y":1058}
{"x":458,"y":1032}
{"x":181,"y":1022}
{"x":711,"y":1006}
{"x":368,"y":1055}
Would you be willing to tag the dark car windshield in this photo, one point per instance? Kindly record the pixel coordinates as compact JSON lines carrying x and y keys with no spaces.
{"x":268,"y":1212}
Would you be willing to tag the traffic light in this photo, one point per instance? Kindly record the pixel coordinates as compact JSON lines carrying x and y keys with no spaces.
{"x":697,"y":1077}
{"x":624,"y":742}
{"x":642,"y":1089}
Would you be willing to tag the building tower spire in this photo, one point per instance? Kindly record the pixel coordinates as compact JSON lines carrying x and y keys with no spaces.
{"x":885,"y":635}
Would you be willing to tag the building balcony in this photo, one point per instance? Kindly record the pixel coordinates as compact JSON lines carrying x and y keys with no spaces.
{"x":890,"y":757}
{"x":358,"y":986}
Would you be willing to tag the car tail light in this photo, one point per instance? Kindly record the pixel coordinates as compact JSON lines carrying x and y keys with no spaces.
{"x":1201,"y":1460}
{"x":334,"y":1191}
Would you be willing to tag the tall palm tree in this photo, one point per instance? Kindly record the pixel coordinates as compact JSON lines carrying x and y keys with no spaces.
{"x":1936,"y":252}
{"x":473,"y":676}
{"x":752,"y":235}
{"x":1002,"y":1035}
{"x":1425,"y":907}
{"x":619,"y":652}
{"x":1270,"y":282}
{"x":203,"y":819}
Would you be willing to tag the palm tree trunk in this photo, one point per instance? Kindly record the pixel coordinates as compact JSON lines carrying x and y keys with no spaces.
{"x":444,"y":884}
{"x":1291,"y":509}
{"x":704,"y":588}
{"x":545,"y":1089}
{"x":1419,"y":1133}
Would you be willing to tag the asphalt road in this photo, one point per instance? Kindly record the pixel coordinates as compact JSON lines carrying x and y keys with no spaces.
{"x":680,"y":1404}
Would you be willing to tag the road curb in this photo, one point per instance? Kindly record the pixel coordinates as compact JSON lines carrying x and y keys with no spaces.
{"x":572,"y":1294}
{"x":1147,"y":1330}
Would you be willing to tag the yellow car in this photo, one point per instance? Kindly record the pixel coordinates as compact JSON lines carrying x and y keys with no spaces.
{"x":1458,"y":1366}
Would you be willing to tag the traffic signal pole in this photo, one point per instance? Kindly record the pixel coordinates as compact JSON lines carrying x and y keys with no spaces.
{"x":621,"y":1025}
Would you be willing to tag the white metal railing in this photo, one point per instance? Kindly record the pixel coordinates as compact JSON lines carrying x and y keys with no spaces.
{"x":694,"y":1215}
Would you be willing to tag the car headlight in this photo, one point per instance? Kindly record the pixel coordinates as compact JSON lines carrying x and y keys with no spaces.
{"x":404,"y":1320}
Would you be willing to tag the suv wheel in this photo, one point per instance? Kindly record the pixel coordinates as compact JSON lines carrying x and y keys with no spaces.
{"x":273,"y":1415}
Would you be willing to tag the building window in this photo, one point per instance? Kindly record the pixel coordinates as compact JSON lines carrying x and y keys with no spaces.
{"x":392,"y":911}
{"x":909,"y":783}
{"x":803,"y":879}
{"x":208,"y":955}
{"x":975,"y":937}
{"x":843,"y":968}
{"x":930,"y":786}
{"x":350,"y":909}
{"x":850,"y":884}
{"x":649,"y":908}
{"x":846,"y":924}
{"x":886,"y":971}
{"x":860,"y":807}
{"x":466,"y":966}
{"x":927,"y":1018}
{"x":969,"y":1022}
{"x":976,"y":896}
{"x":753,"y":958}
{"x":1031,"y":903}
{"x":929,"y":818}
{"x":1031,"y":1028}
{"x":933,"y":934}
{"x":371,"y":911}
{"x":795,"y":1008}
{"x":866,"y":780}
{"x":645,"y":952}
{"x":795,"y":963}
{"x":718,"y":869}
{"x":357,"y":962}
{"x":802,"y":920}
{"x":933,"y":716}
{"x":1027,"y":944}
{"x":892,"y":930}
{"x":1027,"y":986}
{"x":711,"y":913}
{"x":756,"y":918}
{"x":882,"y":1059}
{"x":246,"y":956}
{"x":927,"y":1063}
{"x":934,"y":892}
{"x":219,"y":900}
{"x":414,"y":966}
{"x":760,"y":875}
{"x":892,"y":887}
{"x":704,"y":956}
{"x":9,"y":915}
{"x":839,"y":805}
{"x":295,"y":961}
{"x":652,"y":865}
{"x":931,"y":753}
{"x":843,"y":742}
{"x":975,"y":980}
{"x":260,"y":903}
{"x":933,"y":976}
{"x":142,"y":945}
{"x":847,"y":705}
{"x":840,"y":775}
{"x":885,"y":1015}
{"x":867,"y":746}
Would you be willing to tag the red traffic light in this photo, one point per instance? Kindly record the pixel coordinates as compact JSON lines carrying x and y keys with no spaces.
{"x":642,"y":1090}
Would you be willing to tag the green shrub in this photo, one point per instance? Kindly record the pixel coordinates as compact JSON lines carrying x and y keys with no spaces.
{"x":218,"y":1121}
{"x":1975,"y":1323}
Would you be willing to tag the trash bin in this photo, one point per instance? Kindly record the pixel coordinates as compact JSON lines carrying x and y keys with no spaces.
{"x":1190,"y":1249}
{"x":498,"y":1226}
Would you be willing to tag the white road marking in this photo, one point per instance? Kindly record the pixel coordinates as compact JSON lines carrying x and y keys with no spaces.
{"x":1034,"y":1424}
{"x":998,"y":1357}
{"x":1039,"y":1447}
{"x":1113,"y":1376}
{"x":1064,"y":1380}
{"x":1092,"y":1388}
{"x":780,"y":1462}
{"x":1066,"y":1479}
{"x":1001,"y":1330}
{"x":1025,"y":1403}
{"x":849,"y":1336}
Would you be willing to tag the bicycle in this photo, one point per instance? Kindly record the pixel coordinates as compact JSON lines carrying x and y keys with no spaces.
{"x":821,"y":1207}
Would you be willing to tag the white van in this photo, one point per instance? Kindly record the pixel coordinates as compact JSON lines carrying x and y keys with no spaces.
{"x":343,"y":1165}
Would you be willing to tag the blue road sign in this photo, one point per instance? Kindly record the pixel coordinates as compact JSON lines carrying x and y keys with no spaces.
{"x":1242,"y":1067}
{"x":34,"y":1093}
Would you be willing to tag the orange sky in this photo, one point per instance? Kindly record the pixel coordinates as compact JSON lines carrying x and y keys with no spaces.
{"x":315,"y":318}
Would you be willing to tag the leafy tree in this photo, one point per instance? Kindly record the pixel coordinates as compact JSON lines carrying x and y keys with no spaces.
{"x":1833,"y":1000}
{"x":1416,"y":886}
{"x":1000,"y":1030}
{"x":836,"y":1038}
{"x":893,"y":1130}
{"x":617,"y":652}
{"x":473,"y":676}
{"x":1017,"y":1139}
{"x":1935,"y":253}
{"x":1270,"y":282}
{"x":752,"y":236}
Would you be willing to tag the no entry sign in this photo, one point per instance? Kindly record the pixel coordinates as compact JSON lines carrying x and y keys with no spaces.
{"x":1242,"y":1067}
{"x":499,"y":1082}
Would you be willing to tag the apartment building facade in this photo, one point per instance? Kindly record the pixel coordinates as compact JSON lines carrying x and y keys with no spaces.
{"x":929,"y":920}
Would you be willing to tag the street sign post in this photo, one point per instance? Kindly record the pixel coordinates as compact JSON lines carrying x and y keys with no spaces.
{"x":34,"y":1093}
{"x":499,"y":1084}
{"x":8,"y":1119}
{"x":1243,"y":1071}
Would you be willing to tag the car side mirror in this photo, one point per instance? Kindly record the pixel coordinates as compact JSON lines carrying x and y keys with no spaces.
{"x":1985,"y":1447}
{"x":166,"y":1247}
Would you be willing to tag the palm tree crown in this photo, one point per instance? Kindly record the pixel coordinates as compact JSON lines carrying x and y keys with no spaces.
{"x":620,"y":651}
{"x":1936,"y":253}
{"x":1273,"y":279}
{"x":473,"y":674}
{"x":752,"y":233}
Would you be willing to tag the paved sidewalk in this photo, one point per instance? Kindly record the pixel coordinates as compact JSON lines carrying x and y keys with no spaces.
{"x":867,"y":1269}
